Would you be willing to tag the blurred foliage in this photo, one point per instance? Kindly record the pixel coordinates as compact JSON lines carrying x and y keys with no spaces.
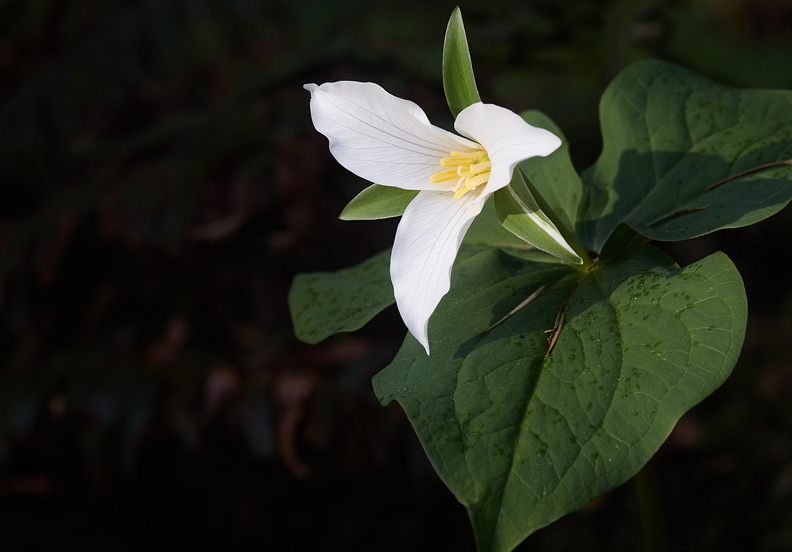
{"x":160,"y":185}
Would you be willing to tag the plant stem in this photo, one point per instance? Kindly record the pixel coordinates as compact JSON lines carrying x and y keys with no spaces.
{"x":650,"y":508}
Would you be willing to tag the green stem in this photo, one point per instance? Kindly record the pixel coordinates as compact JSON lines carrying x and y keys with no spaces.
{"x":567,"y":233}
{"x":650,"y":508}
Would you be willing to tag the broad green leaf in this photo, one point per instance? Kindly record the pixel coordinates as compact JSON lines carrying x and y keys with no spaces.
{"x":378,"y":202}
{"x":519,"y":214}
{"x":326,"y":303}
{"x":669,"y":136}
{"x":459,"y":82}
{"x":553,"y":176}
{"x":522,"y":438}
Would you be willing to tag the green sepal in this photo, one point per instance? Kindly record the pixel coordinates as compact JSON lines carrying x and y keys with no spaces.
{"x":554,"y":177}
{"x":378,"y":202}
{"x":459,"y":82}
{"x":519,"y":213}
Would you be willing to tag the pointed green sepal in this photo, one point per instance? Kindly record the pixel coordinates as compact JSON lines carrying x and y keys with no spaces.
{"x":459,"y":82}
{"x":519,"y":214}
{"x":378,"y":202}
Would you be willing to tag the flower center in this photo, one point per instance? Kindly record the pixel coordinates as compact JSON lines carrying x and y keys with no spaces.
{"x":470,"y":169}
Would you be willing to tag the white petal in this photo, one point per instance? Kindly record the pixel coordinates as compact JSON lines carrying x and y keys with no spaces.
{"x":379,"y":137}
{"x":507,"y":138}
{"x":427,"y":240}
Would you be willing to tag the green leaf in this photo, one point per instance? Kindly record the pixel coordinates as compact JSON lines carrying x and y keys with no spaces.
{"x":554,"y":176}
{"x":326,"y":303}
{"x":378,"y":202}
{"x":519,"y":214}
{"x":619,"y":242}
{"x":669,"y":137}
{"x":522,"y":438}
{"x":459,"y":82}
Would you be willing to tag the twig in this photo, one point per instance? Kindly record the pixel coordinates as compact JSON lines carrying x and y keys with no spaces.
{"x":556,"y":330}
{"x":747,"y":172}
{"x":514,"y":311}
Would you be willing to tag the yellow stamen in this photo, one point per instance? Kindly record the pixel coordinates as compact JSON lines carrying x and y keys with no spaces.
{"x":470,"y":169}
{"x":442,"y":176}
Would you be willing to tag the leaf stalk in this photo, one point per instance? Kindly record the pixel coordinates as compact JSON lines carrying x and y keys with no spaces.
{"x":650,"y":508}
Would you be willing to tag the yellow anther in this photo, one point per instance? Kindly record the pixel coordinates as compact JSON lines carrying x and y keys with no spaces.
{"x":462,"y":158}
{"x":443,"y":176}
{"x":451,"y":162}
{"x":470,"y":169}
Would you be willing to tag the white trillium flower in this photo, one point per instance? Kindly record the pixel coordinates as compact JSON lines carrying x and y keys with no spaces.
{"x":390,"y":141}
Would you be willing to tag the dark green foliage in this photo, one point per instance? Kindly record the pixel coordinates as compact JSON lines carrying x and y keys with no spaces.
{"x":160,"y":185}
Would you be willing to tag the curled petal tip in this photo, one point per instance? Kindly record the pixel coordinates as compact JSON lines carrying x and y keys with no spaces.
{"x":554,"y":142}
{"x":422,"y":338}
{"x":310,"y":87}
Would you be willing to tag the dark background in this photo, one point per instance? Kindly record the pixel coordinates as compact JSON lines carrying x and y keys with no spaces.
{"x":161,"y":184}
